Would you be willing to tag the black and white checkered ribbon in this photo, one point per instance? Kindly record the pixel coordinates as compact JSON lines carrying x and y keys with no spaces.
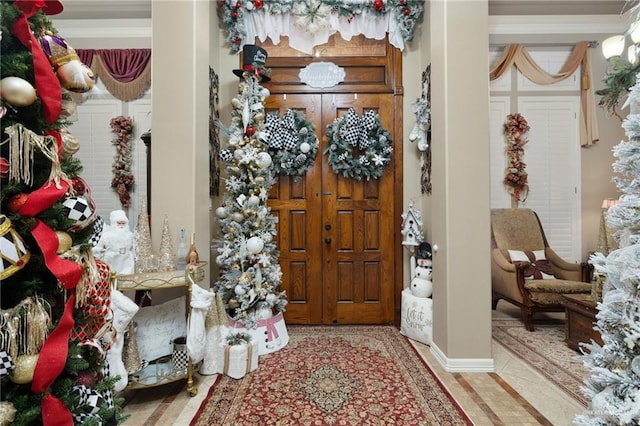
{"x":6,"y":363}
{"x":282,"y":131}
{"x":355,"y":130}
{"x":89,"y":400}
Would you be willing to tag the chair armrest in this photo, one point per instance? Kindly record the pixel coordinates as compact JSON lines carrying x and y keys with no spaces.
{"x":502,"y":262}
{"x":560,"y":262}
{"x":575,"y":271}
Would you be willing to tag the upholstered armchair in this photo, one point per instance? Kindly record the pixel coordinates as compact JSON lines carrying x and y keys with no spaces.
{"x":525,"y":270}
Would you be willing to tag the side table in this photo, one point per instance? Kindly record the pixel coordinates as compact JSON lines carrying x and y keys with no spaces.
{"x":580,"y":315}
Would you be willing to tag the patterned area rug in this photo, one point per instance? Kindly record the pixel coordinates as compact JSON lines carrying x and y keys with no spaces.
{"x":545,"y":350}
{"x":334,"y":375}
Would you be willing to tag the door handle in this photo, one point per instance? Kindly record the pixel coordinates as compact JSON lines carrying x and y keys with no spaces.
{"x":327,"y":240}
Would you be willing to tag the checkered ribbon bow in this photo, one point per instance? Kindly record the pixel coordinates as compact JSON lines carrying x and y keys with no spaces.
{"x":355,"y":130}
{"x":89,"y":403}
{"x":283,"y":133}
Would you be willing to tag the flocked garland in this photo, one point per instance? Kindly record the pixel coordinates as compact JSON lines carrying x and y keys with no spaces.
{"x":123,"y":179}
{"x":292,"y":142}
{"x":515,"y":179}
{"x":352,"y":133}
{"x":315,"y":13}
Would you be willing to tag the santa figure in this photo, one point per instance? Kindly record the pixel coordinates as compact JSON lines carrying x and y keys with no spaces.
{"x":116,"y":245}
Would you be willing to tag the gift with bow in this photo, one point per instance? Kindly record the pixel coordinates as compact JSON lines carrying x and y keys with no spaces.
{"x":355,"y":130}
{"x":282,"y":131}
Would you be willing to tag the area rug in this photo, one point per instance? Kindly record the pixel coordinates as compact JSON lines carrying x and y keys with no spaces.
{"x":335,"y":375}
{"x":546,"y":351}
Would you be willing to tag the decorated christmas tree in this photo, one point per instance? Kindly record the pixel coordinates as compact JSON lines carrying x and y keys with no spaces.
{"x":55,"y":296}
{"x":247,"y":255}
{"x":614,"y":382}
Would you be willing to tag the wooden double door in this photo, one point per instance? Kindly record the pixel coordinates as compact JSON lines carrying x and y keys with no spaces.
{"x":336,"y":236}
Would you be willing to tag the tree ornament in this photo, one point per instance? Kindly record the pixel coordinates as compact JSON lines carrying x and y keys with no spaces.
{"x":14,"y":252}
{"x":253,"y":201}
{"x":378,"y":5}
{"x":64,"y":242}
{"x":237,"y":217}
{"x":17,"y":92}
{"x":72,"y":73}
{"x":4,"y":168}
{"x":257,"y":4}
{"x":24,"y":369}
{"x":70,"y":144}
{"x":81,"y":211}
{"x":255,"y":245}
{"x":93,"y":298}
{"x":240,"y":290}
{"x":86,"y":378}
{"x":250,"y":131}
{"x":352,"y":134}
{"x":16,"y":202}
{"x":264,"y":160}
{"x":221,"y":212}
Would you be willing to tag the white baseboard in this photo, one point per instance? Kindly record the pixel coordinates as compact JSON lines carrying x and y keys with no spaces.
{"x":462,"y":365}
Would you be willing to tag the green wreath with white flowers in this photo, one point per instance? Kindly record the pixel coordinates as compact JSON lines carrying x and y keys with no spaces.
{"x":359,"y":147}
{"x":292,"y":142}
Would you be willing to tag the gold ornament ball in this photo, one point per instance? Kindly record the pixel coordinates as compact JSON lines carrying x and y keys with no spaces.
{"x":64,"y":242}
{"x":233,"y":303}
{"x":24,"y":369}
{"x":70,"y":144}
{"x":17,"y":91}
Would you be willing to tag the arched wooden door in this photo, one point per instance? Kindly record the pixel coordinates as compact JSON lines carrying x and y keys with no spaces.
{"x":337,"y":236}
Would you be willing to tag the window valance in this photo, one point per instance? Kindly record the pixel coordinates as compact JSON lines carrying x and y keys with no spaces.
{"x":310,"y":23}
{"x":516,"y":54}
{"x":126,"y":73}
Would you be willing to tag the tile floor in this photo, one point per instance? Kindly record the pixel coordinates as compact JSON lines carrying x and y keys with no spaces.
{"x":514,"y":394}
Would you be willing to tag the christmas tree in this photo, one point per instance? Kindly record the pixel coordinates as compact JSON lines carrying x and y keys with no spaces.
{"x":55,"y":295}
{"x":249,"y":271}
{"x":614,"y":382}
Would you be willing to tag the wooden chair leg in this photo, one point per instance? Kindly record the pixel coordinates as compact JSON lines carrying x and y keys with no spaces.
{"x":494,"y":301}
{"x":527,"y":317}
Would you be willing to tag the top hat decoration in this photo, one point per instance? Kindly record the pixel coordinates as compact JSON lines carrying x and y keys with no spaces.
{"x":253,"y":60}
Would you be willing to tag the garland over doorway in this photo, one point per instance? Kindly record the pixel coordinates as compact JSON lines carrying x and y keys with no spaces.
{"x":310,"y":23}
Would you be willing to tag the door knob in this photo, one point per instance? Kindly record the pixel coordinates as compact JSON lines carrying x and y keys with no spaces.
{"x":327,"y":227}
{"x":327,"y":240}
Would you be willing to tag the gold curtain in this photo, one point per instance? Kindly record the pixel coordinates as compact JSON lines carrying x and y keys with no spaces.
{"x":516,"y":54}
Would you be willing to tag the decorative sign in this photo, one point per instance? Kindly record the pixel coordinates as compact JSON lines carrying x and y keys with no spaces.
{"x":321,"y":74}
{"x":158,"y":326}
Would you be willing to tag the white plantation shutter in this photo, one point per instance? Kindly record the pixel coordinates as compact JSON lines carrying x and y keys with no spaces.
{"x":97,"y":151}
{"x":552,"y":157}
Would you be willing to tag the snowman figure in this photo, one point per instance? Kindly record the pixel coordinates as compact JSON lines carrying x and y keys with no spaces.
{"x":421,"y":285}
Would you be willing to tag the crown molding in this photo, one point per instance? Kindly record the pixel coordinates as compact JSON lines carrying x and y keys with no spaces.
{"x":557,"y":24}
{"x":104,"y":28}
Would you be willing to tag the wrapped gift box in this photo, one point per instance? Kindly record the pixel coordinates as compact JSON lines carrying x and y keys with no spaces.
{"x":240,"y":359}
{"x":416,"y":318}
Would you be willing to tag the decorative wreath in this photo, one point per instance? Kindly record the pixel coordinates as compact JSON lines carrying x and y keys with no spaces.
{"x":515,"y":178}
{"x":292,"y":142}
{"x":123,"y":179}
{"x":365,"y":135}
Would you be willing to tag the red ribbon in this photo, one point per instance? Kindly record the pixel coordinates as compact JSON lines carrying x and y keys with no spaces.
{"x":43,"y":198}
{"x":51,"y":361}
{"x":47,"y":84}
{"x":54,"y":413}
{"x":53,"y":355}
{"x":66,"y":271}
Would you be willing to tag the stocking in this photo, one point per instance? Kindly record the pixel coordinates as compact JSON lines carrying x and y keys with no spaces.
{"x":123,"y":311}
{"x":215,"y":325}
{"x":200,"y":302}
